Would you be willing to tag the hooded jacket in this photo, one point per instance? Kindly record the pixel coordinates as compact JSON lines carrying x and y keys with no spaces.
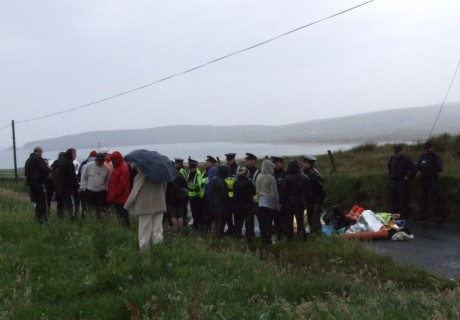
{"x":295,"y":185}
{"x":267,"y":191}
{"x":218,"y":191}
{"x":119,"y":181}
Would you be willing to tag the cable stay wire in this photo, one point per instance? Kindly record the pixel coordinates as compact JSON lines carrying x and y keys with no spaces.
{"x":199,"y":66}
{"x":444,"y":101}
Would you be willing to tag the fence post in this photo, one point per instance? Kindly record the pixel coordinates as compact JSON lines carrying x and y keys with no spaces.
{"x":331,"y":157}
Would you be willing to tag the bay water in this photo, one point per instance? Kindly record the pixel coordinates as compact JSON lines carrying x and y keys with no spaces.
{"x":197,"y":151}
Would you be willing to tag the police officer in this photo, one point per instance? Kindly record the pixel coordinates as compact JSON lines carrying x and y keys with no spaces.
{"x":193,"y":187}
{"x":209,"y":172}
{"x":315,"y":195}
{"x":279,"y":174}
{"x":430,"y":165}
{"x":251,"y":160}
{"x":230,"y":180}
{"x":401,"y":170}
{"x":179,"y":163}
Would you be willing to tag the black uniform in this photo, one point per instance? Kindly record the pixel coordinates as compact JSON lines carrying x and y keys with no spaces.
{"x":401,"y":169}
{"x":36,"y":172}
{"x":315,"y":198}
{"x":430,"y":165}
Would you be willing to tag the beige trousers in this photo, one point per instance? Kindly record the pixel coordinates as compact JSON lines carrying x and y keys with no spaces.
{"x":150,"y":230}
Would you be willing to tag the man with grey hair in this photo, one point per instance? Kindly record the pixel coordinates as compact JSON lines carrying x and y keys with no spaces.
{"x":36,"y":171}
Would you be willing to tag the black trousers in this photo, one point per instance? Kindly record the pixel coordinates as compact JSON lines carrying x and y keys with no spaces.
{"x":122,"y":214}
{"x":97,"y":200}
{"x":399,"y":198}
{"x":431,"y":195}
{"x":196,"y":206}
{"x":265,"y":223}
{"x":38,"y":195}
{"x":296,"y":210}
{"x":314,"y":217}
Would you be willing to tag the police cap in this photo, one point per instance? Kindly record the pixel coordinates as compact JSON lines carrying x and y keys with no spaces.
{"x":178,"y":160}
{"x":230,"y":156}
{"x":192,"y":163}
{"x":309,"y":158}
{"x":250,"y":156}
{"x":276,"y":159}
{"x":397,"y":148}
{"x":211,"y":159}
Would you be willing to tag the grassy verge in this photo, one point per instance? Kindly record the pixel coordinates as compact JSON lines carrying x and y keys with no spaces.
{"x":92,"y":270}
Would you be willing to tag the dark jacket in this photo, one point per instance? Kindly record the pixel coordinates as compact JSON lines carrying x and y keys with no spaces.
{"x":176,"y":191}
{"x":68,"y":175}
{"x":429,"y":165}
{"x":218,"y":191}
{"x":295,"y":186}
{"x":244,"y":191}
{"x":279,"y":175}
{"x":316,"y":192}
{"x":36,"y":170}
{"x":400,"y":168}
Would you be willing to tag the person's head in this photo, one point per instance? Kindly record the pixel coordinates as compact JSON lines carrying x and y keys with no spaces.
{"x":92,"y":154}
{"x":428,"y":146}
{"x":100,"y":159}
{"x":38,"y":151}
{"x":179,"y":163}
{"x":242,"y":172}
{"x":308,"y":162}
{"x":267,"y":167}
{"x":230,"y":158}
{"x":210,"y":161}
{"x":116,"y":158}
{"x":192,"y":165}
{"x":293,"y":167}
{"x":277,"y":162}
{"x":250,"y":160}
{"x":71,"y":154}
{"x":398,"y":151}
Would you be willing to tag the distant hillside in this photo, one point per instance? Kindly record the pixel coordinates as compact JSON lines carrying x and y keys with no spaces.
{"x":409,"y":124}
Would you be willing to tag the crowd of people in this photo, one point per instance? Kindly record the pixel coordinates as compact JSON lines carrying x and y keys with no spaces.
{"x":224,"y":199}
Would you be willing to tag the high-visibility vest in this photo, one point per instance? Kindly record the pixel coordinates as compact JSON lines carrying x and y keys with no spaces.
{"x":183,"y":173}
{"x":193,"y":186}
{"x":230,"y":182}
{"x":254,"y":178}
{"x":201,"y":180}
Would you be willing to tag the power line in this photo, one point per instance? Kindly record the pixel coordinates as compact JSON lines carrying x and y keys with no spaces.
{"x":3,"y":128}
{"x":200,"y":66}
{"x":445,"y":98}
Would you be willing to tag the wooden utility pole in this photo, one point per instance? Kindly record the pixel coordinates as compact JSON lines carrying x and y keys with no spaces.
{"x":14,"y":154}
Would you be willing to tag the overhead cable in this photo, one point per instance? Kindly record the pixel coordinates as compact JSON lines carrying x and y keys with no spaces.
{"x":445,"y":98}
{"x":200,"y":66}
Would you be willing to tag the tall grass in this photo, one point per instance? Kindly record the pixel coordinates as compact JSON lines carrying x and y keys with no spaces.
{"x":92,"y":270}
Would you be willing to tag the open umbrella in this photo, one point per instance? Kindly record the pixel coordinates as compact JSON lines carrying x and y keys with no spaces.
{"x":154,"y":165}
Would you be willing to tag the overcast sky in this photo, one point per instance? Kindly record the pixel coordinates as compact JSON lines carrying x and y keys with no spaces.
{"x":56,"y":55}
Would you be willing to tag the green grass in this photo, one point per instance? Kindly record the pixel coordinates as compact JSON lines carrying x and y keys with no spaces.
{"x":92,"y":270}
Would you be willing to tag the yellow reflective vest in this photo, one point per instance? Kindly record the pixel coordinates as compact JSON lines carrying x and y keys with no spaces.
{"x":193,"y":184}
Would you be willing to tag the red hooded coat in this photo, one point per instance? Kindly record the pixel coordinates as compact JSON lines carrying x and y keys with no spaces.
{"x":119,"y":180}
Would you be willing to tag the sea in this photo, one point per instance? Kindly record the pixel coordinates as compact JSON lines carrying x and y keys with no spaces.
{"x":196,"y":151}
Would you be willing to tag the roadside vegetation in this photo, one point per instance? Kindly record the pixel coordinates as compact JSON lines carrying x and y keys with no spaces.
{"x":92,"y":269}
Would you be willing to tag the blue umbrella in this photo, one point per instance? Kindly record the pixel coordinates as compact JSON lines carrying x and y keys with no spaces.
{"x":154,"y":165}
